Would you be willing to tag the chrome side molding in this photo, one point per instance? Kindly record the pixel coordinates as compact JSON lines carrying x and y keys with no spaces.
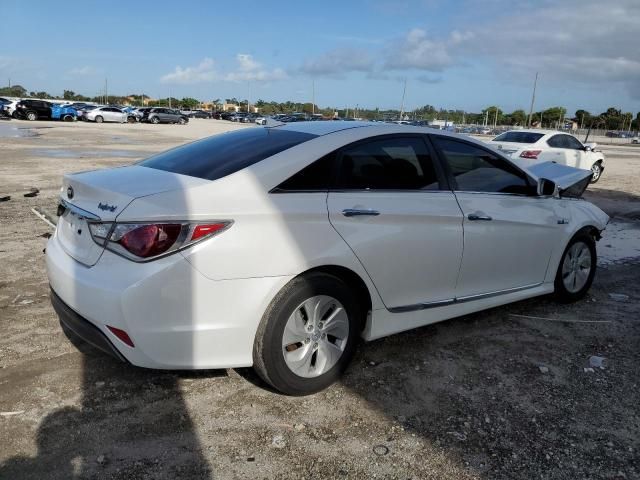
{"x":467,"y":298}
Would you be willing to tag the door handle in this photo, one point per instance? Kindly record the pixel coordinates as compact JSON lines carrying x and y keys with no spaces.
{"x":356,"y":212}
{"x":479,"y":216}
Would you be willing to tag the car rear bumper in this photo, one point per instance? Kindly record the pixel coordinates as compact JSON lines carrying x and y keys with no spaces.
{"x":80,"y":327}
{"x":176,"y":317}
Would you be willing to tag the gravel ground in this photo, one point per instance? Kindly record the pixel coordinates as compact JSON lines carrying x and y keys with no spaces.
{"x":501,"y":394}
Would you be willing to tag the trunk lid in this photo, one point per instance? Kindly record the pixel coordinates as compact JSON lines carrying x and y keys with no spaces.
{"x":508,"y":148}
{"x":100,"y":196}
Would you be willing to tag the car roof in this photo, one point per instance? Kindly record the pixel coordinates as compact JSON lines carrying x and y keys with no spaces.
{"x":321,"y":128}
{"x":536,"y":130}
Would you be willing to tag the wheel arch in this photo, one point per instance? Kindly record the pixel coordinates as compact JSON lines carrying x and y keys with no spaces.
{"x":354,"y":281}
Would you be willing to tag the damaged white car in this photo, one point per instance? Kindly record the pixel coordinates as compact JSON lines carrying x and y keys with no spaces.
{"x":280,"y":247}
{"x":536,"y":146}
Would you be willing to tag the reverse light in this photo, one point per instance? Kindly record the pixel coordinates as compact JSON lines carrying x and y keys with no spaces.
{"x":531,"y":154}
{"x":142,"y":242}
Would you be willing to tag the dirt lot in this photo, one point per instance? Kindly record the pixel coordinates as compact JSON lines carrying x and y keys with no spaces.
{"x":466,"y":398}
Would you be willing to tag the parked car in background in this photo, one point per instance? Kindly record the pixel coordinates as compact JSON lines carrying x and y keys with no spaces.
{"x":140,"y":112}
{"x":164,"y":115}
{"x":33,"y":109}
{"x":200,"y":114}
{"x":82,"y":112}
{"x":238,"y":117}
{"x":10,"y":108}
{"x":108,"y":114}
{"x":162,"y":263}
{"x":63,"y":112}
{"x":536,"y":146}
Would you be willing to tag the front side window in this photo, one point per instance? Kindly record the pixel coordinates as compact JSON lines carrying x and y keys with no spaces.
{"x":388,"y":164}
{"x":573,"y":143}
{"x":478,"y":170}
{"x":221,"y":155}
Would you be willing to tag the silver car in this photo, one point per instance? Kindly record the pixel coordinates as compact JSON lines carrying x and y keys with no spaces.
{"x":106,"y":114}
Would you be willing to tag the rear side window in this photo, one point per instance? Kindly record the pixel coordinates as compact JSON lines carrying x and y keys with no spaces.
{"x":388,"y":164}
{"x":221,"y":155}
{"x":519,"y":137}
{"x":314,"y":177}
{"x":478,"y":170}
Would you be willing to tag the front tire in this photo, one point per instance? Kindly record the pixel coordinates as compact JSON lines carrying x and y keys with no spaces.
{"x":308,"y":334}
{"x":577,"y":268}
{"x":99,"y":119}
{"x":155,"y":120}
{"x":596,"y":170}
{"x":31,"y":116}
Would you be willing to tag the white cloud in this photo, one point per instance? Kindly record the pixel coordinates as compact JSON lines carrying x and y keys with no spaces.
{"x":247,"y":69}
{"x":338,"y":62}
{"x":251,"y":70}
{"x":83,"y":71}
{"x":419,"y":51}
{"x":203,"y":72}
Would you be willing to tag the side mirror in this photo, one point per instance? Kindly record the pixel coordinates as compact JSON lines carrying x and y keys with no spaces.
{"x":547,"y":188}
{"x":587,"y":148}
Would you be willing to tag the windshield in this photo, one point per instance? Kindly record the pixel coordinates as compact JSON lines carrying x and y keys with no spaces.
{"x":519,"y":137}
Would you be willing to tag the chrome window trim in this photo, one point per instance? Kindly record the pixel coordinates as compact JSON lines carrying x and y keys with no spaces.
{"x":466,"y":298}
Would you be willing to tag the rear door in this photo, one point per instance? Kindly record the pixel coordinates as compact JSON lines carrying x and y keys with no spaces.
{"x":392,"y":207}
{"x":557,"y":151}
{"x":509,"y":232}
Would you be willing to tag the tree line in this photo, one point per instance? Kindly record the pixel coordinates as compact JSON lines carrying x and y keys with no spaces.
{"x":612,"y":119}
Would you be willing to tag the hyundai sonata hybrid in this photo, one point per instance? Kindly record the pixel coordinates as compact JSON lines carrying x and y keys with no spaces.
{"x":279,"y":247}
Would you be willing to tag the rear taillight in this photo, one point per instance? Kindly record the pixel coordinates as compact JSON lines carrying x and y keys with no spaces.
{"x":532,"y":154}
{"x":142,"y":242}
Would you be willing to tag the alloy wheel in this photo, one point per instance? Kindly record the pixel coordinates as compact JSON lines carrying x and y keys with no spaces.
{"x":597,"y":170}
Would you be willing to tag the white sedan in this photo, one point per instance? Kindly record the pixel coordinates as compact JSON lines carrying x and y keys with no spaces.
{"x":531,"y":146}
{"x":279,"y":247}
{"x":106,"y":114}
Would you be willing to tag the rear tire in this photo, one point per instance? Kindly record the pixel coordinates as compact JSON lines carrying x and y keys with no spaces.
{"x":131,"y":119}
{"x":182,"y":121}
{"x":99,"y":119}
{"x":326,"y":340}
{"x":155,"y":120}
{"x":576,"y":269}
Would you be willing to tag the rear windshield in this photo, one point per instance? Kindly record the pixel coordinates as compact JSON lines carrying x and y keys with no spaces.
{"x":221,"y":155}
{"x":519,"y":137}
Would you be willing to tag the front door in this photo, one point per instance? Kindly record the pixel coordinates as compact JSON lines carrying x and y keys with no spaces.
{"x":509,"y":232}
{"x":391,"y":208}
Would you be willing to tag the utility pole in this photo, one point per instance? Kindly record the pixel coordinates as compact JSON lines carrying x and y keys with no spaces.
{"x":533,"y":99}
{"x":248,"y":94}
{"x":106,"y":92}
{"x":495,"y":119}
{"x":404,"y":91}
{"x":313,"y":97}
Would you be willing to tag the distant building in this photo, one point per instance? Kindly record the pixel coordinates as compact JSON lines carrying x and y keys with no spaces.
{"x":441,"y":124}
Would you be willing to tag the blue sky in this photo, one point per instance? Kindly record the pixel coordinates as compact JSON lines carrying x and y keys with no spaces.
{"x":463,"y":54}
